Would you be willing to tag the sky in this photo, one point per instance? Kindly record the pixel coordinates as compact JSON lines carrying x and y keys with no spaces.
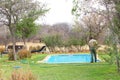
{"x":60,"y":12}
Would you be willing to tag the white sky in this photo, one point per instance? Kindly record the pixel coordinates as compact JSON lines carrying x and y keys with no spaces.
{"x":60,"y":12}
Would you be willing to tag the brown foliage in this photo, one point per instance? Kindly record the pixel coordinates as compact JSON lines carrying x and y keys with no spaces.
{"x":24,"y":54}
{"x":2,"y":49}
{"x":11,"y":56}
{"x":22,"y":75}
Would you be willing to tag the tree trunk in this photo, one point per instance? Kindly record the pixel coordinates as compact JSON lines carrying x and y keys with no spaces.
{"x":118,"y":64}
{"x":14,"y":50}
{"x":24,"y":40}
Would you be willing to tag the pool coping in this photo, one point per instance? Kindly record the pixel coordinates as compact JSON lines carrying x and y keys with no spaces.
{"x":44,"y":60}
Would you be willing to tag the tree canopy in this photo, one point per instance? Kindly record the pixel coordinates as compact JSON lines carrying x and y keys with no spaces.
{"x":13,"y":12}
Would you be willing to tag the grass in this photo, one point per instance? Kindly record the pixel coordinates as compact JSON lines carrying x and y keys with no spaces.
{"x":77,"y":71}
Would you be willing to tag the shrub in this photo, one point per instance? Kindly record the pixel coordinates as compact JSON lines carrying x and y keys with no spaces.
{"x":38,"y":47}
{"x":24,"y":54}
{"x":32,"y":48}
{"x":53,"y":40}
{"x":75,"y":42}
{"x":2,"y":49}
{"x":22,"y":75}
{"x":10,"y":56}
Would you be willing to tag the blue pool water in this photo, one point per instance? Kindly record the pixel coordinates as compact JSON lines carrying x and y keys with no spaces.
{"x":69,"y":58}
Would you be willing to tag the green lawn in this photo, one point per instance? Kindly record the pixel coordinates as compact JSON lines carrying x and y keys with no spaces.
{"x":87,"y":71}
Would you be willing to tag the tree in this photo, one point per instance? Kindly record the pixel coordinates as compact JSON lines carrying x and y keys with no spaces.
{"x":56,"y":31}
{"x":116,"y":32}
{"x":77,"y":35}
{"x":113,"y":17}
{"x":53,"y":40}
{"x":95,"y":24}
{"x":26,"y":28}
{"x":13,"y":11}
{"x":111,"y":11}
{"x":90,"y":17}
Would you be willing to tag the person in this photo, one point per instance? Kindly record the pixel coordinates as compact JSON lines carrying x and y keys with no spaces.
{"x":92,"y":46}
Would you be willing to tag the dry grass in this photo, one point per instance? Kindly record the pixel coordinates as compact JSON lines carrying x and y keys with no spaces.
{"x":20,"y":74}
{"x":1,"y":74}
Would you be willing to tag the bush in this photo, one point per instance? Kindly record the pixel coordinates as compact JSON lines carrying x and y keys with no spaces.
{"x":53,"y":40}
{"x":24,"y":54}
{"x":38,"y":47}
{"x":22,"y":75}
{"x":2,"y":49}
{"x":32,"y":48}
{"x":75,"y":42}
{"x":10,"y":56}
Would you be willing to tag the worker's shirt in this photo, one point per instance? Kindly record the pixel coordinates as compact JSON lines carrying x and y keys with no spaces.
{"x":92,"y":43}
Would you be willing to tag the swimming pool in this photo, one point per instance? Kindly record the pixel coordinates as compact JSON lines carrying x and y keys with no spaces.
{"x":68,"y":58}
